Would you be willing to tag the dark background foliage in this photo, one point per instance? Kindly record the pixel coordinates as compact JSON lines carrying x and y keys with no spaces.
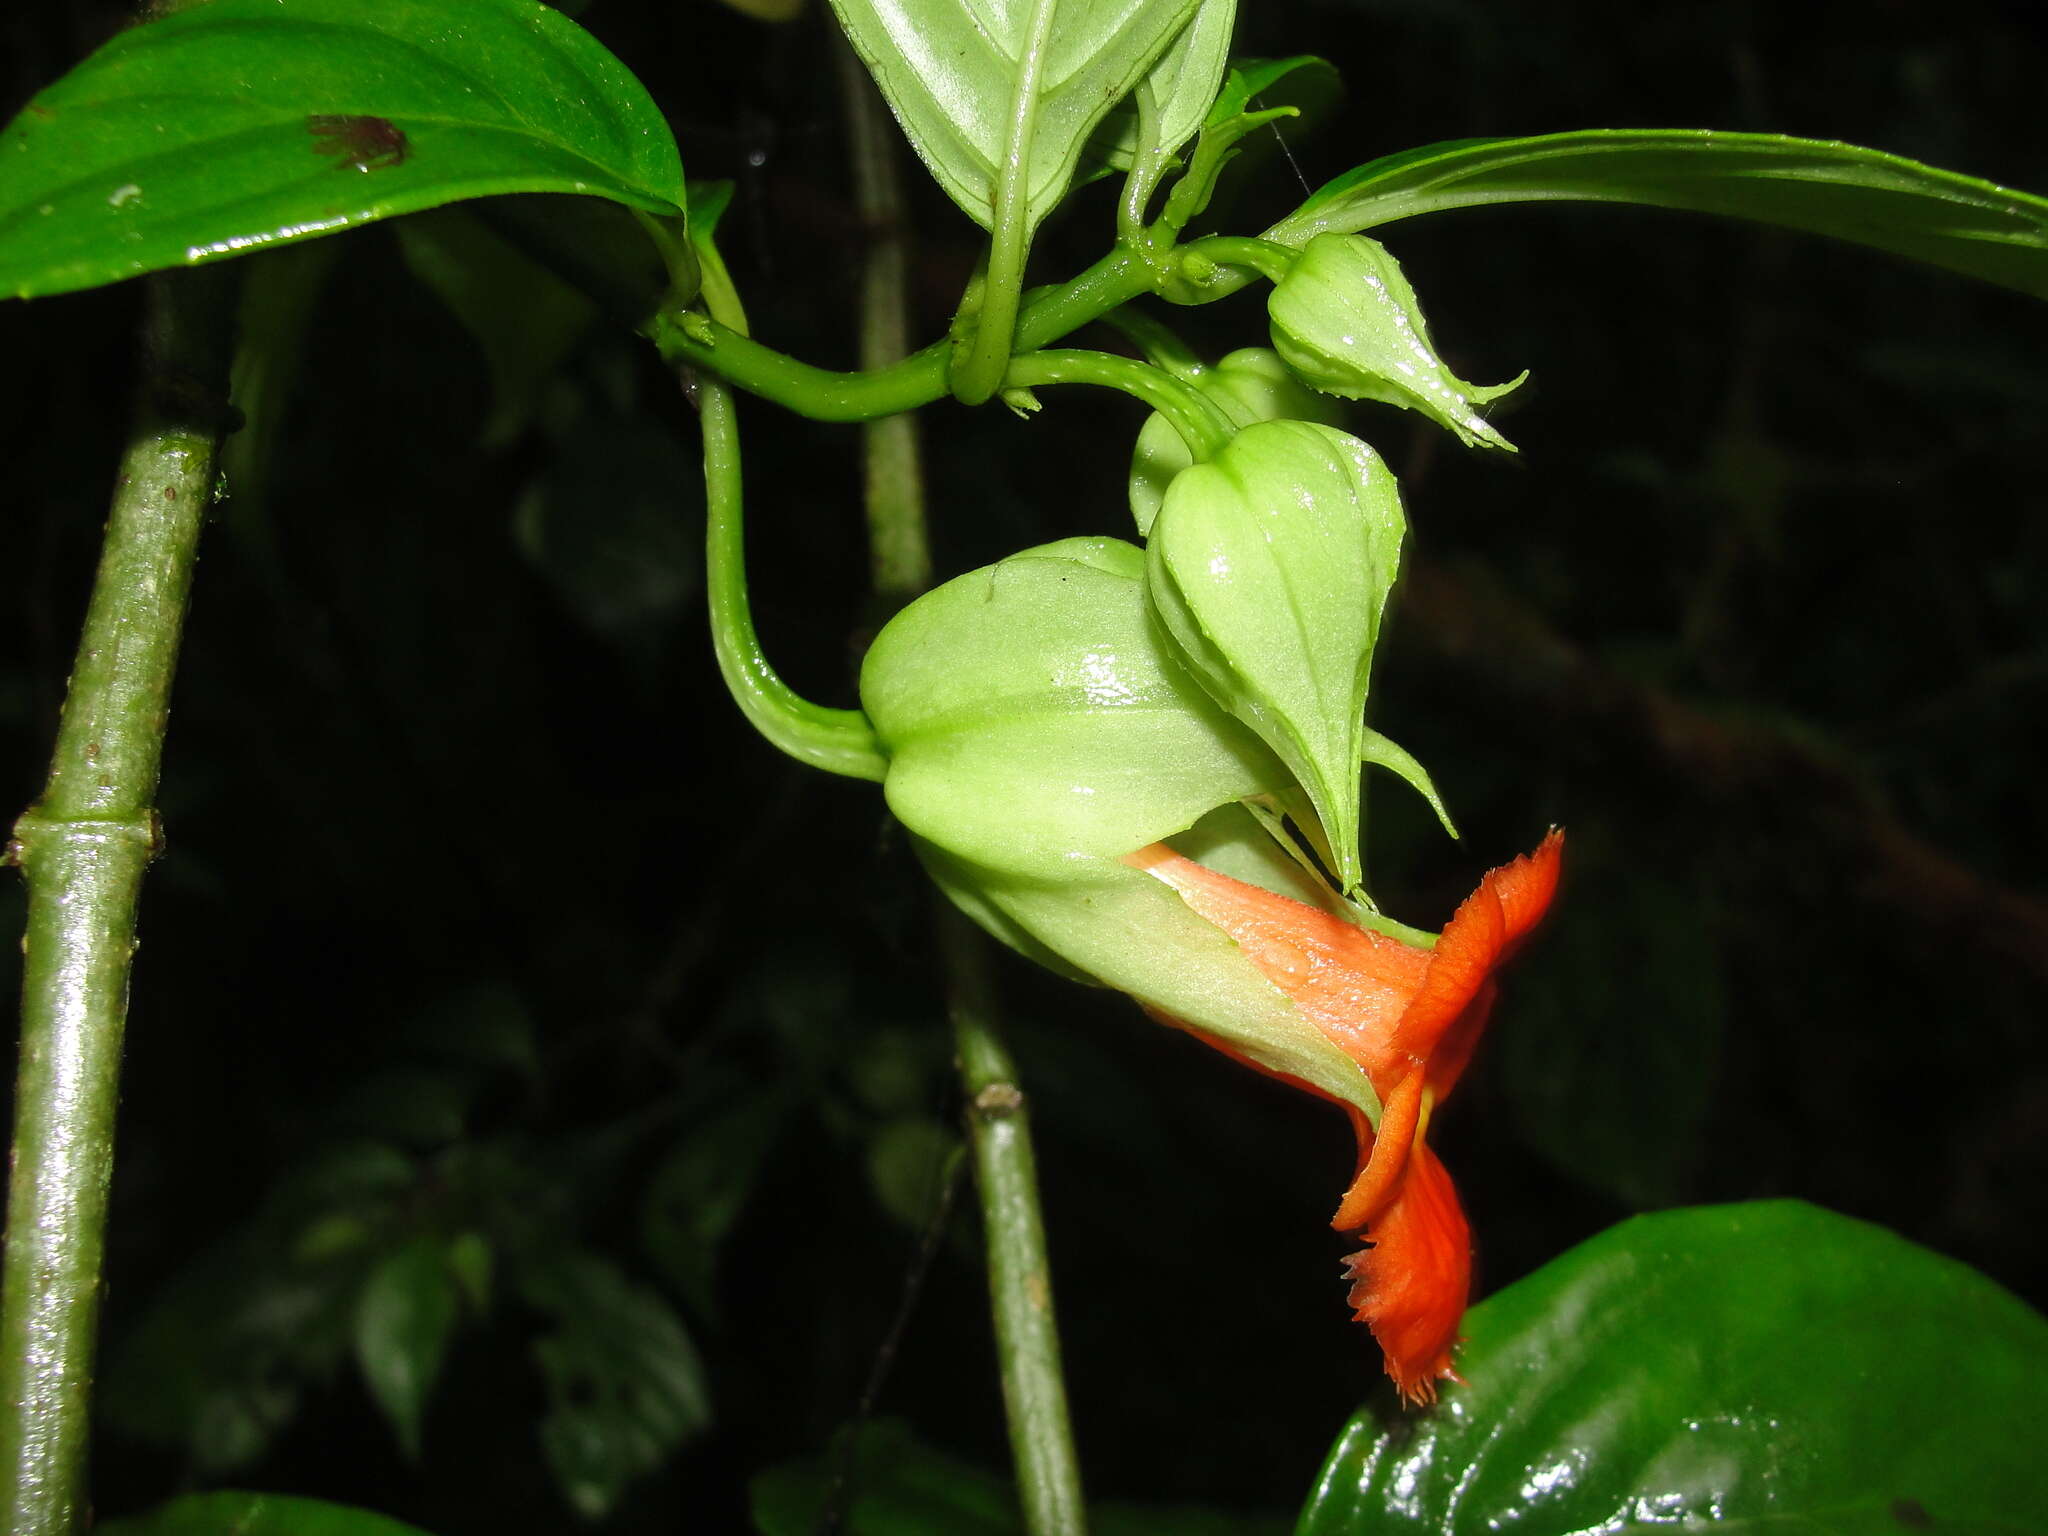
{"x":488,"y":934}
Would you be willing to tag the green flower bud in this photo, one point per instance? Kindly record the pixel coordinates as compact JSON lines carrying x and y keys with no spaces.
{"x":1269,"y":566}
{"x":1251,"y":384}
{"x":1345,"y":319}
{"x":1038,"y":729}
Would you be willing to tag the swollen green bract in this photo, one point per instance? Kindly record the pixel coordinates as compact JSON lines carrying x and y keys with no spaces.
{"x":1270,"y":567}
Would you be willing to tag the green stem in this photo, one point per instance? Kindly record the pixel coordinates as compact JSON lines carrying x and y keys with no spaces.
{"x":837,"y":740}
{"x":83,"y":848}
{"x":920,"y":378}
{"x":1147,"y":166}
{"x":1270,"y":259}
{"x":1198,"y":419}
{"x":1020,"y":1276}
{"x":978,"y":370}
{"x":1020,"y":1273}
{"x":899,"y":555}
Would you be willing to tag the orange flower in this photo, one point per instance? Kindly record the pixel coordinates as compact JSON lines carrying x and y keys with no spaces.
{"x":1410,"y":1017}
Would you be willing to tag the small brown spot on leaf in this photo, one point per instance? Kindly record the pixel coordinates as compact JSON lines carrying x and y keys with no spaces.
{"x":1912,"y":1514}
{"x":365,"y":143}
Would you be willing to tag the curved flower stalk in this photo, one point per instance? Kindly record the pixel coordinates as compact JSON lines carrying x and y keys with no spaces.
{"x":1410,"y":1016}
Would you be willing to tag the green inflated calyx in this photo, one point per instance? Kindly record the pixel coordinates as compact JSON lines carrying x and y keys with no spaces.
{"x":1269,"y":568}
{"x":1038,"y":728}
{"x":1251,"y":384}
{"x":1345,"y":319}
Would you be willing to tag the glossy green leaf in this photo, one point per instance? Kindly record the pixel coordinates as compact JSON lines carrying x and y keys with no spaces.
{"x":1765,"y":1367}
{"x":625,"y":1386}
{"x":1270,"y":566}
{"x":239,"y":124}
{"x":232,"y":1513}
{"x":989,"y":89}
{"x":403,"y":1321}
{"x":1863,"y":195}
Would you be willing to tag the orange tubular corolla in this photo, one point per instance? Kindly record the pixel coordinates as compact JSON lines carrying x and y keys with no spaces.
{"x":1410,"y":1018}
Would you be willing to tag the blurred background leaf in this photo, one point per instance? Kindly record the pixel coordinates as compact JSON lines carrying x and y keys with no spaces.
{"x":625,"y":1386}
{"x":255,"y":1514}
{"x":403,"y":1317}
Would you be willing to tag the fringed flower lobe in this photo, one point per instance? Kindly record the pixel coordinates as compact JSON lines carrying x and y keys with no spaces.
{"x":1410,"y":1017}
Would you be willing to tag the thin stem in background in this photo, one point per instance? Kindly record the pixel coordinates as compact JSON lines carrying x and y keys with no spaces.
{"x":83,"y":848}
{"x":1020,"y":1273}
{"x":899,"y":554}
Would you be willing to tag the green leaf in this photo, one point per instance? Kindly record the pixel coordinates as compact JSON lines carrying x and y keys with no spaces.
{"x":1287,"y":97}
{"x":1304,"y":82}
{"x":404,"y":1317}
{"x":625,"y":1386}
{"x":1178,"y":90}
{"x":254,"y":1514}
{"x":240,"y":124}
{"x":1006,"y":88}
{"x":1749,"y":1367}
{"x":1875,"y":199}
